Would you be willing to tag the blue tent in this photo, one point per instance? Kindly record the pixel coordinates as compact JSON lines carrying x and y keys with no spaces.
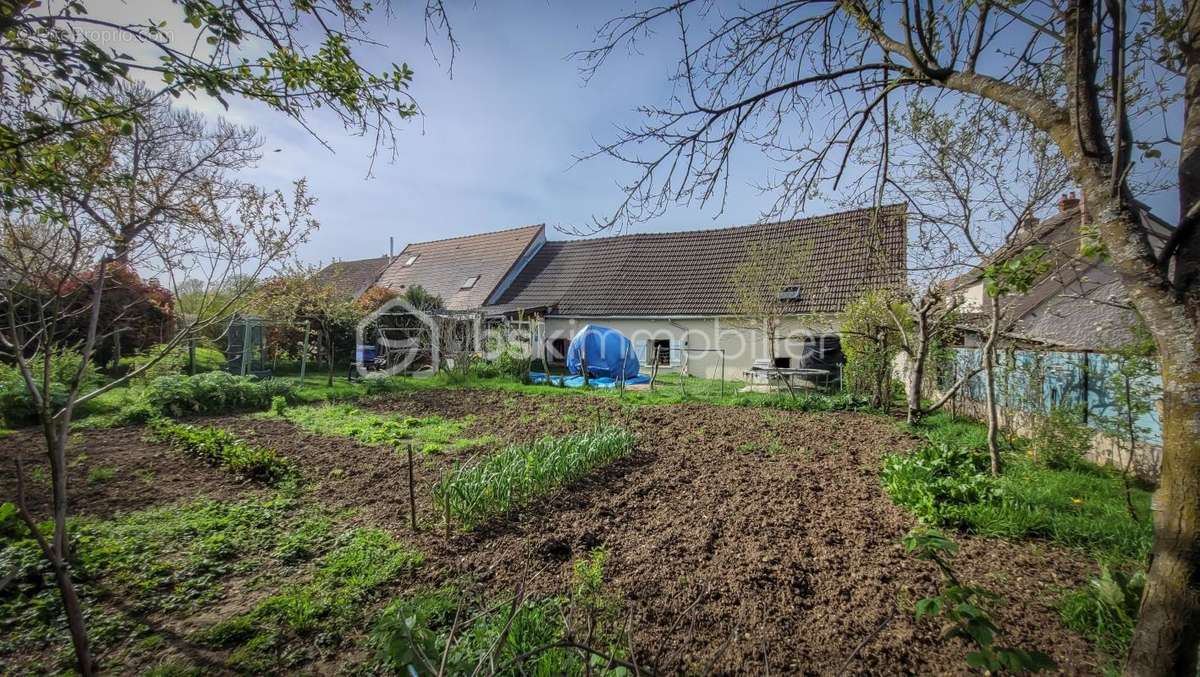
{"x":607,"y":352}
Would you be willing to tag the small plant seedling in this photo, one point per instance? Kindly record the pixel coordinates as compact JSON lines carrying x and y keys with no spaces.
{"x":964,"y":606}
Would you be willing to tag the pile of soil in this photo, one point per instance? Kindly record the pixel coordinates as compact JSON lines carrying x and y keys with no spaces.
{"x":742,"y":540}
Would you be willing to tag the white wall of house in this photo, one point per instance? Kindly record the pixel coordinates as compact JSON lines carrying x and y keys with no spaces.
{"x":698,"y":341}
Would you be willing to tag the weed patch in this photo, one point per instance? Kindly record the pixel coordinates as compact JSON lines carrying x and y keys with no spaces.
{"x":345,"y":579}
{"x":224,"y":449}
{"x":946,"y":483}
{"x":430,"y":434}
{"x":171,"y":560}
{"x":506,"y":480}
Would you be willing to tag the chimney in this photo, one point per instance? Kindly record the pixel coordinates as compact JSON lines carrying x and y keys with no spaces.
{"x":1068,"y":202}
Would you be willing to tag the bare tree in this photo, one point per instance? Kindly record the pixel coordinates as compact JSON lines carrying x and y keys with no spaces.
{"x":759,"y":283}
{"x":803,"y":79}
{"x":56,"y":273}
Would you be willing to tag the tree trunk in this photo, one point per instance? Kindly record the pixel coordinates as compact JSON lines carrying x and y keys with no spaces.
{"x":916,"y":367}
{"x":989,"y":371}
{"x":1168,"y":631}
{"x":329,"y":347}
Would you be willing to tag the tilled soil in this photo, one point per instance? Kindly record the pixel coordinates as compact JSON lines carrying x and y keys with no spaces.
{"x":742,"y":540}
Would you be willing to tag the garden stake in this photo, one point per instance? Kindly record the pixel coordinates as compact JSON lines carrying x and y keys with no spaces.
{"x":412,"y":499}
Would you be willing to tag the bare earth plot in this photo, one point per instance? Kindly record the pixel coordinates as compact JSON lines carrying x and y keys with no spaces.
{"x":739,"y":539}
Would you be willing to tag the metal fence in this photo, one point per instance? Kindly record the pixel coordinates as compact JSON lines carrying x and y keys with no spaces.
{"x":1036,"y":381}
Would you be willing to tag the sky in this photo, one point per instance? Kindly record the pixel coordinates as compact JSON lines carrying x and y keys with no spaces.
{"x":497,"y":141}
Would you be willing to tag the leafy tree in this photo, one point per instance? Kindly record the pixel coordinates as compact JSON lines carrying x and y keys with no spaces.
{"x":303,"y":294}
{"x":65,"y":106}
{"x":871,"y":342}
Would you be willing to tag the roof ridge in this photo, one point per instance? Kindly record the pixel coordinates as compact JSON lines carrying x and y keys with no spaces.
{"x":464,"y":237}
{"x":816,"y":217}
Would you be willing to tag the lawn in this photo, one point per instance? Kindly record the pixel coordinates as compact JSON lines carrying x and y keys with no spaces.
{"x":730,"y":535}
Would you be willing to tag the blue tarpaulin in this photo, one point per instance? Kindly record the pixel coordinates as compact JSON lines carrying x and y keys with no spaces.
{"x":607,"y":352}
{"x":577,"y":381}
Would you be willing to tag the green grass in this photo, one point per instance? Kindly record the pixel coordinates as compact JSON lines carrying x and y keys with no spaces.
{"x":1083,"y":507}
{"x":322,"y":608}
{"x":946,"y":482}
{"x":499,"y":483}
{"x":167,"y":561}
{"x":430,"y":434}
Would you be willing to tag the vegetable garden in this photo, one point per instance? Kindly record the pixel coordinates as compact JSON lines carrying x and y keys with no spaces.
{"x":406,"y":525}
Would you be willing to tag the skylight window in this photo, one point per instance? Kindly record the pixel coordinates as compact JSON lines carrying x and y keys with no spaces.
{"x":410,"y":260}
{"x":469,"y":282}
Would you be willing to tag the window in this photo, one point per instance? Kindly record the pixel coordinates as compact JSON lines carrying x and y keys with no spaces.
{"x":661,"y":352}
{"x":469,"y":282}
{"x":410,"y":260}
{"x":783,"y":363}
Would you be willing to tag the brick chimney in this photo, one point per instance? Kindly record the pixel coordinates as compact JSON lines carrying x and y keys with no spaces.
{"x":1068,"y":202}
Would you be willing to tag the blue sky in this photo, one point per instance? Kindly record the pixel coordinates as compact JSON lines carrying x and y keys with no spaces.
{"x":496,"y":145}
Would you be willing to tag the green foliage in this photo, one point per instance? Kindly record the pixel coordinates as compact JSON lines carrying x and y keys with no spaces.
{"x":17,"y":405}
{"x":871,"y":341}
{"x":224,"y":449}
{"x":411,"y":635}
{"x":965,"y":609}
{"x":162,"y":561}
{"x":208,"y":359}
{"x":1106,"y":609}
{"x":210,"y":393}
{"x":430,"y":434}
{"x":506,"y":480}
{"x":1083,"y":506}
{"x":346,"y":579}
{"x":1060,"y":440}
{"x":1016,"y":274}
{"x":938,"y":480}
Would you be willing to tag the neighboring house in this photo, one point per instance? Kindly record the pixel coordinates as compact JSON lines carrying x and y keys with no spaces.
{"x":352,"y":278}
{"x":466,"y":272}
{"x":1079,"y":304}
{"x":671,"y":293}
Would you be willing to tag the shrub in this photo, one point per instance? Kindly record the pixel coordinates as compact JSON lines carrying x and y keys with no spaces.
{"x":223,"y":448}
{"x":212,"y":393}
{"x":509,"y":479}
{"x":1105,"y":610}
{"x":1060,"y":440}
{"x":938,"y":480}
{"x":16,"y":405}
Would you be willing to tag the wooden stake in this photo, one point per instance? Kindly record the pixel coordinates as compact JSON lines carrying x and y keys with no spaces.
{"x":412,"y":497}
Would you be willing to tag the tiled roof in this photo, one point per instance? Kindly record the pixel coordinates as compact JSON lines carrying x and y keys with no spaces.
{"x":443,"y":266}
{"x":688,"y":273}
{"x":352,"y":278}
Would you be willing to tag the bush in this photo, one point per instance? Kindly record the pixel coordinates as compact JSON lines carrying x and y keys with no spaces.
{"x":937,"y":481}
{"x":1105,"y":611}
{"x":1060,"y":441}
{"x":211,"y":393}
{"x":223,"y":448}
{"x":208,"y":358}
{"x":16,"y":405}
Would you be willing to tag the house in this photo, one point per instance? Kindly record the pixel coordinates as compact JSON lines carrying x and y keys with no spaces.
{"x":1079,"y":304}
{"x":466,"y":272}
{"x":352,"y":278}
{"x":671,"y":293}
